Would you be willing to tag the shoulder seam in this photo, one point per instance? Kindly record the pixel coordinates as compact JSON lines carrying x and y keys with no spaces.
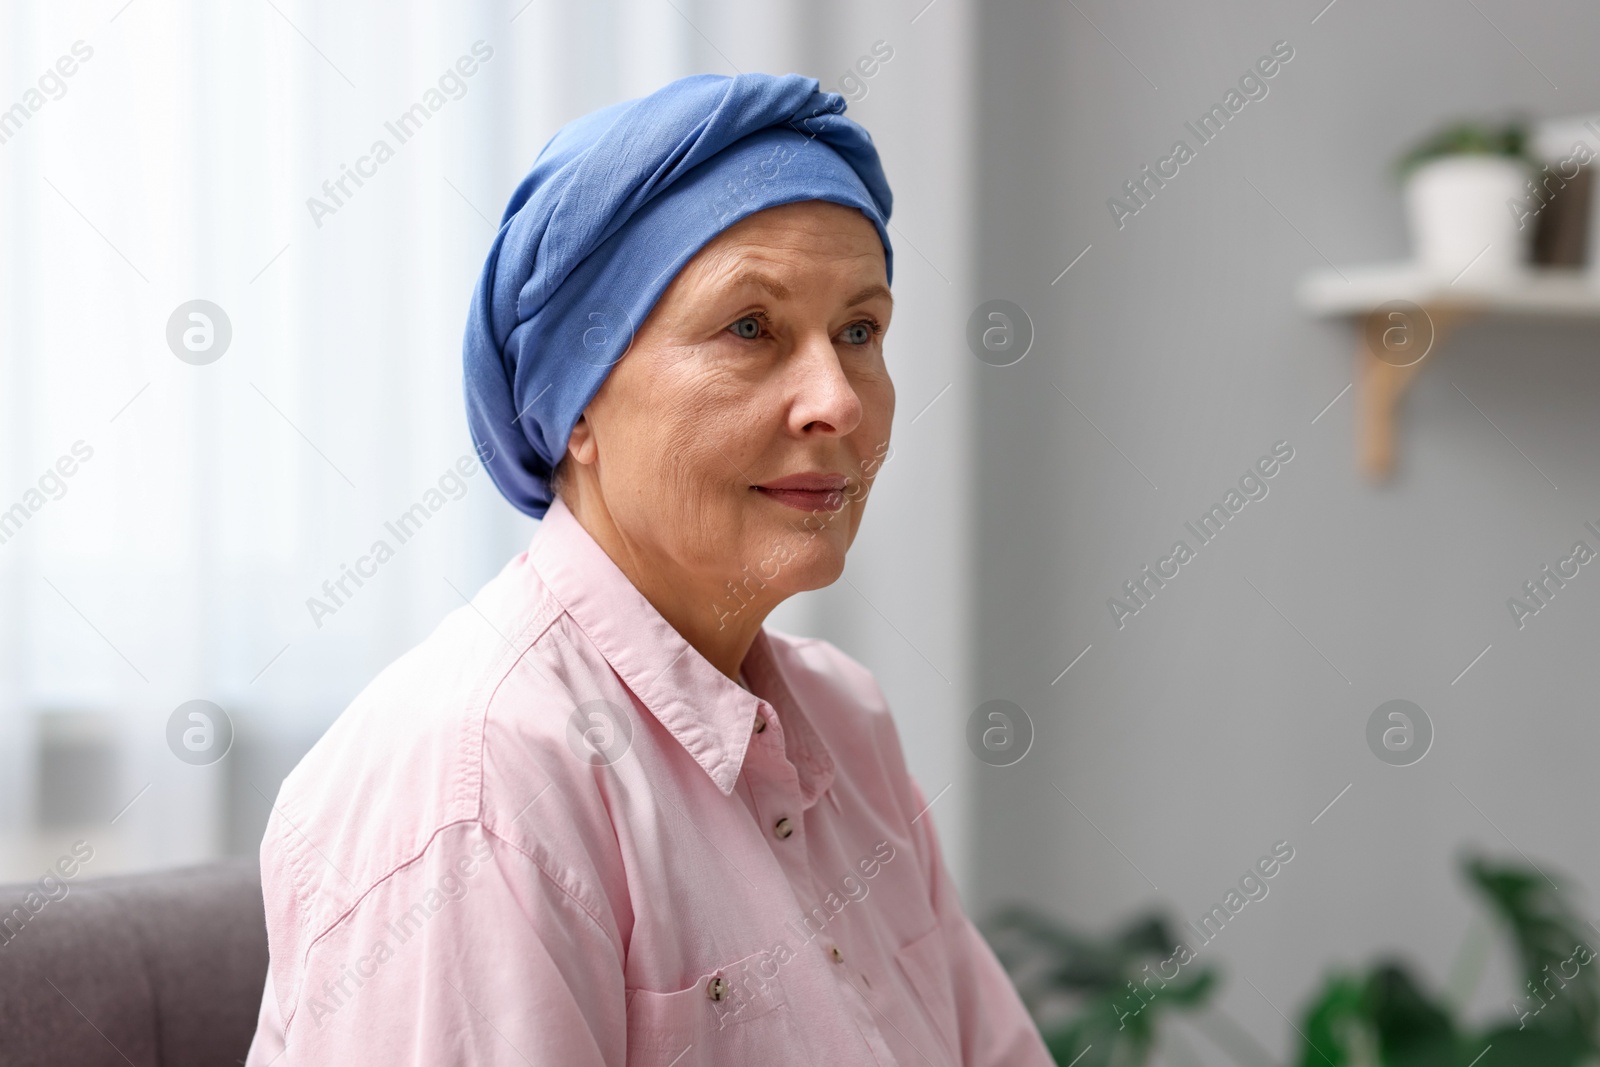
{"x":548,"y":612}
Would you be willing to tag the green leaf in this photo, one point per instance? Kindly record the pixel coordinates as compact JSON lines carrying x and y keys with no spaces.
{"x":1468,"y":138}
{"x":1410,"y":1027}
{"x":1121,"y":983}
{"x":1330,"y":1025}
{"x":1194,"y":992}
{"x":1560,"y":973}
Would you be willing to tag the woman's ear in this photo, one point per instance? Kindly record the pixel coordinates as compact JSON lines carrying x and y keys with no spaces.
{"x":581,"y":445}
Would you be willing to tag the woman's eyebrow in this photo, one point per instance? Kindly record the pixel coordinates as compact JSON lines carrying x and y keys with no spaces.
{"x":783,"y":292}
{"x":765,"y":281}
{"x":871,"y":292}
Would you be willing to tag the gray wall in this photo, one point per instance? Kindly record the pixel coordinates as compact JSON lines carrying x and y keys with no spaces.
{"x":1212,"y":726}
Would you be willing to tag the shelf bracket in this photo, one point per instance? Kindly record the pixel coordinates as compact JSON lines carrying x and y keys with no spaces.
{"x":1382,"y":379}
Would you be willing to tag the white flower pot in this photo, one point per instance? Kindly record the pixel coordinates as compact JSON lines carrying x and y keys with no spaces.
{"x":1458,"y":214}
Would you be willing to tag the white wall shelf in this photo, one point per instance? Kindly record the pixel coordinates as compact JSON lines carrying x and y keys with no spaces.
{"x":1534,"y":291}
{"x":1373,"y":296}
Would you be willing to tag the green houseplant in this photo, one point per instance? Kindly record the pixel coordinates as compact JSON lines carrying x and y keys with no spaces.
{"x":1093,"y":998}
{"x":1388,"y":1018}
{"x":1097,"y":1006}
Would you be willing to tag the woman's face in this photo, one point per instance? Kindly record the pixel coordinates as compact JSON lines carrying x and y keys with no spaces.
{"x":762,"y":361}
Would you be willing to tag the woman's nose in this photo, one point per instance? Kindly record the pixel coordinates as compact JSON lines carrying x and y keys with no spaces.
{"x":825,"y":398}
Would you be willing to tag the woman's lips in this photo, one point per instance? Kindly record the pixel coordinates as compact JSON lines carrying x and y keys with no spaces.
{"x":806,"y":499}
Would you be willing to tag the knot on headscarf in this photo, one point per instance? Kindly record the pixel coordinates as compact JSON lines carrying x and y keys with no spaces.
{"x":615,"y":205}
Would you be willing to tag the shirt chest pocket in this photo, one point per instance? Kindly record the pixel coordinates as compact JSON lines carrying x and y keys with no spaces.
{"x":737,"y":1014}
{"x":926,"y":967}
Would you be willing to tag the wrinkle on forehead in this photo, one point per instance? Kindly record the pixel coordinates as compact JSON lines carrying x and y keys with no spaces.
{"x":814,"y":229}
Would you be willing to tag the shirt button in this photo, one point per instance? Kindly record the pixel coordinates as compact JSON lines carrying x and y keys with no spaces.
{"x":761,"y":724}
{"x":783,"y":828}
{"x":717,"y":988}
{"x":838,"y":957}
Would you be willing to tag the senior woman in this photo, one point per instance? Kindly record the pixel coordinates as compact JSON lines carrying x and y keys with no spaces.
{"x":601,"y":816}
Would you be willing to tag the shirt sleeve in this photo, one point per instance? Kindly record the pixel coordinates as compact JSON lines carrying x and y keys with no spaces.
{"x":994,"y":1025}
{"x":470,"y":954}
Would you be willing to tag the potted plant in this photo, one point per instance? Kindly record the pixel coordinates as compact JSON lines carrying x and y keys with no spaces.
{"x":1389,"y":1018}
{"x":1458,"y":184}
{"x":1101,"y":1000}
{"x":1105,"y":1001}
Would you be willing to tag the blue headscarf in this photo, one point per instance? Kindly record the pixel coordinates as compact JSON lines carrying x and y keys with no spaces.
{"x":615,"y":205}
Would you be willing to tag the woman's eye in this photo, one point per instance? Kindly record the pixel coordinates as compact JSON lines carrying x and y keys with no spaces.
{"x":858,"y":333}
{"x":748,"y":327}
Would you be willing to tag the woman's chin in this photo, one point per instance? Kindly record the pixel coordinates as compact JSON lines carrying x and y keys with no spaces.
{"x":811,"y":563}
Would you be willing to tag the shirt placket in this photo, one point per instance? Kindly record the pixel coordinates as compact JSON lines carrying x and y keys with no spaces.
{"x":774,"y":793}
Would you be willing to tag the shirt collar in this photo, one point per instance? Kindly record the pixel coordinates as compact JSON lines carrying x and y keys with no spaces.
{"x":710,"y":714}
{"x":803,"y":747}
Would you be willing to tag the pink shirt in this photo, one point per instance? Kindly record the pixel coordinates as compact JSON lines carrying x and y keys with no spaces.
{"x":554,"y":834}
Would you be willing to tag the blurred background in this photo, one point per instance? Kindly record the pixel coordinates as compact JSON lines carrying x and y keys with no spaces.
{"x":1098,"y":337}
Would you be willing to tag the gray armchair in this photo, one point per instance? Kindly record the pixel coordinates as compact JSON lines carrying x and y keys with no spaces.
{"x":154,"y":970}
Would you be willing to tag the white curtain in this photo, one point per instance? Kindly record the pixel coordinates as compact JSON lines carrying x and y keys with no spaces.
{"x":230,"y":153}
